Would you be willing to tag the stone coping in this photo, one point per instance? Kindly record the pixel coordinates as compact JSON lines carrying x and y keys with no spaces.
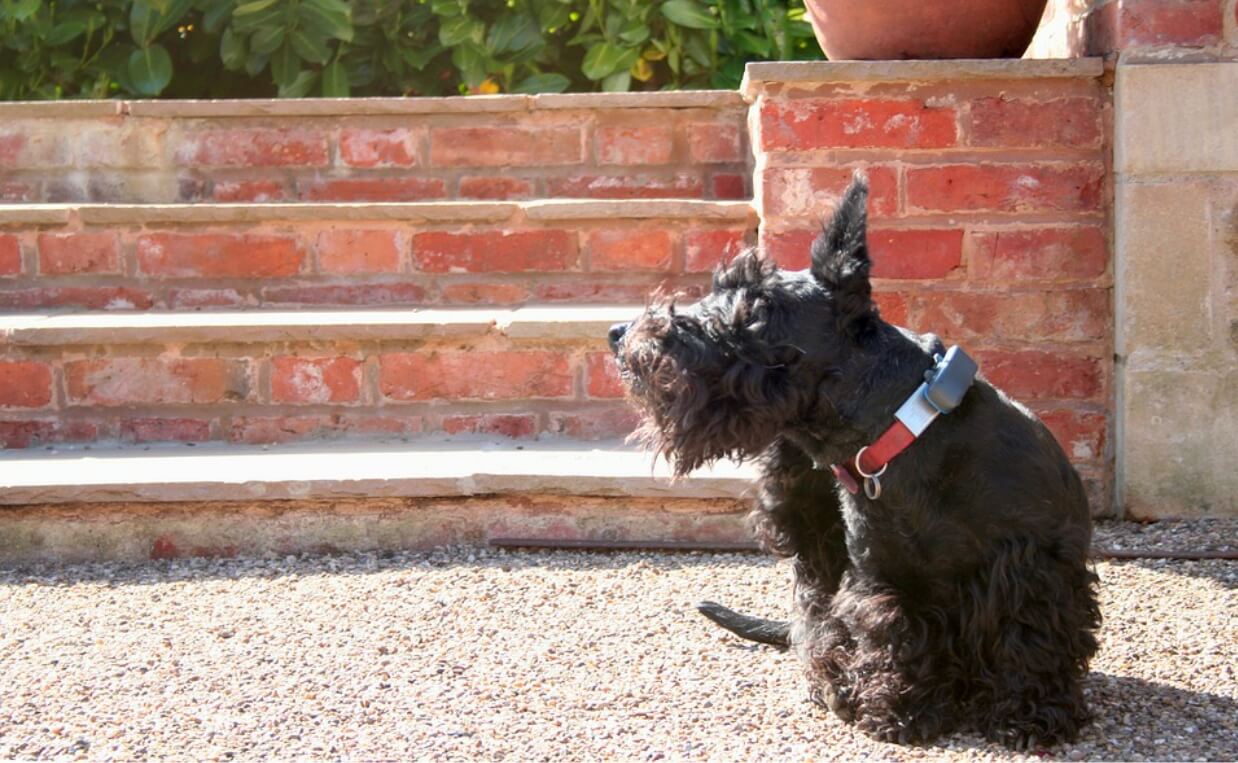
{"x":413,"y":211}
{"x":566,"y":323}
{"x":759,"y":74}
{"x":334,"y":107}
{"x":426,"y":468}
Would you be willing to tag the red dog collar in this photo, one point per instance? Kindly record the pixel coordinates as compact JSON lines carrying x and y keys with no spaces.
{"x":942,"y":391}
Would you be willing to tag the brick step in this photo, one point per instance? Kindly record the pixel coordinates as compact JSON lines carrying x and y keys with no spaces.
{"x":269,"y":377}
{"x":621,"y":145}
{"x":168,"y":501}
{"x":228,"y":256}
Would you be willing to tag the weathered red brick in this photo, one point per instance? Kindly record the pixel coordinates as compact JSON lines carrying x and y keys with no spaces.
{"x":68,"y":253}
{"x":706,"y":249}
{"x":605,"y":424}
{"x":347,"y":294}
{"x":502,"y":375}
{"x":602,"y":375}
{"x":483,"y":294}
{"x":29,"y":434}
{"x":630,"y":249}
{"x":813,"y":192}
{"x":375,"y":189}
{"x":1006,"y":188}
{"x":1040,"y":253}
{"x":1040,"y":316}
{"x":90,"y":297}
{"x":915,"y":253}
{"x":1080,"y":433}
{"x":122,"y":381}
{"x":315,"y":380}
{"x":730,"y":187}
{"x":253,"y":147}
{"x":165,"y":430}
{"x":11,"y":145}
{"x":1033,"y":374}
{"x":634,"y":145}
{"x":505,"y":146}
{"x":1188,"y":23}
{"x":249,"y":190}
{"x":1017,"y":122}
{"x":789,"y":249}
{"x":25,"y":384}
{"x":378,"y":148}
{"x":713,"y":142}
{"x":218,"y":255}
{"x":13,"y":191}
{"x":614,"y":292}
{"x":515,"y":426}
{"x":10,"y":255}
{"x":680,"y":186}
{"x":495,"y":188}
{"x":892,"y":305}
{"x":267,"y":430}
{"x":856,"y":123}
{"x":358,"y":251}
{"x":192,"y":299}
{"x":546,"y":250}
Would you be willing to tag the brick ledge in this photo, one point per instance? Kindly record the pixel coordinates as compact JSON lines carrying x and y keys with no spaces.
{"x":422,"y":469}
{"x":759,"y":74}
{"x":570,"y":322}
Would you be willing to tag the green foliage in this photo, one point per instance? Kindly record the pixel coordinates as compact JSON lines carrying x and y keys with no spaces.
{"x":294,"y":48}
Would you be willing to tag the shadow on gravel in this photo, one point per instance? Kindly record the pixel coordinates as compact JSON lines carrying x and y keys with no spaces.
{"x":1221,"y":571}
{"x":1154,"y":721}
{"x":158,"y":572}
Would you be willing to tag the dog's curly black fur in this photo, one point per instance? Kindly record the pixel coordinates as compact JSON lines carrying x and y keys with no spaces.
{"x":962,"y":598}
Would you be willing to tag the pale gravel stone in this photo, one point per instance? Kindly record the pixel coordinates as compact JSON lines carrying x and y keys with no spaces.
{"x":469,"y":653}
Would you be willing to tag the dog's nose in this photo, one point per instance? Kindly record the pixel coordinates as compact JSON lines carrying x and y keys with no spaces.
{"x":615,"y":335}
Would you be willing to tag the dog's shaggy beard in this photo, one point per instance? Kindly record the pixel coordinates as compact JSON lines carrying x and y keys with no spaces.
{"x":698,"y":401}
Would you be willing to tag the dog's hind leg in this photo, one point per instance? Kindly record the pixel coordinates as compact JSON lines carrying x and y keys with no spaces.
{"x":773,"y":632}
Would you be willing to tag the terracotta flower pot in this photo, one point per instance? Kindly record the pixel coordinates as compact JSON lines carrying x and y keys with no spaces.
{"x":896,"y":29}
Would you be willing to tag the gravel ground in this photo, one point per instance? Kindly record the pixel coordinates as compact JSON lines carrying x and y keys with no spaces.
{"x":474,"y":654}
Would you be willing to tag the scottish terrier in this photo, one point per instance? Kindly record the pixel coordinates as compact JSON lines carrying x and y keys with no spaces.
{"x":937,"y":533}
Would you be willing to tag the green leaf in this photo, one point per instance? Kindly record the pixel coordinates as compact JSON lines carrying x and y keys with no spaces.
{"x":688,"y":13}
{"x":214,"y":14}
{"x":472,"y":64}
{"x":328,"y":18}
{"x":232,"y":50}
{"x":543,"y":83}
{"x":256,"y":63}
{"x":420,"y":56}
{"x":513,"y":32}
{"x":619,"y":82}
{"x":267,"y":40}
{"x":447,"y":8}
{"x":460,"y":29}
{"x":604,"y":59}
{"x":257,"y":6}
{"x":310,"y":47}
{"x":62,"y":33}
{"x":18,"y":10}
{"x":300,"y":86}
{"x":150,"y":70}
{"x":335,"y":80}
{"x":285,"y":66}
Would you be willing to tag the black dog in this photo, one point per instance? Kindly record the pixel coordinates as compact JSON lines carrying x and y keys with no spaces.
{"x":941,"y":583}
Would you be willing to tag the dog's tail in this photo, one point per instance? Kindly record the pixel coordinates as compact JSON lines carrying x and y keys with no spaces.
{"x":774,"y":632}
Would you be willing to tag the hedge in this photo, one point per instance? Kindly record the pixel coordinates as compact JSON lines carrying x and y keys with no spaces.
{"x":294,"y":48}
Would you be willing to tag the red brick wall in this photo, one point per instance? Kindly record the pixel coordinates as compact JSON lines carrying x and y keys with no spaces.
{"x":353,"y":256}
{"x":989,"y":222}
{"x":664,"y":145}
{"x":270,"y":392}
{"x":1160,"y":29}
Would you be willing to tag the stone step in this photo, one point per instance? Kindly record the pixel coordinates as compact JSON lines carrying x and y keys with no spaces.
{"x":619,"y":145}
{"x":263,"y":377}
{"x":79,"y":503}
{"x":242,"y":256}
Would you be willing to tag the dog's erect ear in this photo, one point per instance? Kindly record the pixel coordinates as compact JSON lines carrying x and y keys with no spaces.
{"x":840,"y":254}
